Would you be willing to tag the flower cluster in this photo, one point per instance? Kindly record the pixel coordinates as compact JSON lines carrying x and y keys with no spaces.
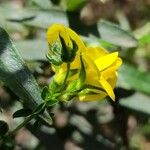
{"x":89,"y":73}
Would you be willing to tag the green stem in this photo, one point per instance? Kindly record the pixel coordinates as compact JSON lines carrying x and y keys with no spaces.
{"x":29,"y":118}
{"x":67,"y":74}
{"x":26,"y":121}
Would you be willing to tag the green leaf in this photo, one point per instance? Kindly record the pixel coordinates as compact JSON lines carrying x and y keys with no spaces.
{"x":132,"y":78}
{"x":53,"y":86}
{"x":40,"y":19}
{"x":115,"y":35}
{"x":43,"y":121}
{"x":11,"y":27}
{"x":44,"y":4}
{"x":72,"y":87}
{"x":45,"y":93}
{"x":32,"y":49}
{"x":82,"y":75}
{"x":145,"y":39}
{"x":45,"y":19}
{"x":137,"y":102}
{"x":3,"y":128}
{"x":15,"y":73}
{"x":95,"y":41}
{"x":32,"y":17}
{"x":73,"y":5}
{"x":22,"y":113}
{"x":142,"y":31}
{"x":51,"y":103}
{"x":39,"y":109}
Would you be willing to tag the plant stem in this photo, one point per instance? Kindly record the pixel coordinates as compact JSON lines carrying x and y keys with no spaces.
{"x":26,"y":121}
{"x":67,"y":74}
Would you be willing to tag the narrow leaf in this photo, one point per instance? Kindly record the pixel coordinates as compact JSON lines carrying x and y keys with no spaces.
{"x":137,"y":102}
{"x":39,"y":109}
{"x":22,"y":113}
{"x":32,"y":49}
{"x":145,"y":39}
{"x":41,"y":19}
{"x":52,"y":103}
{"x":45,"y":93}
{"x":74,"y":5}
{"x":31,"y":17}
{"x":44,"y":4}
{"x":115,"y":35}
{"x":132,"y":78}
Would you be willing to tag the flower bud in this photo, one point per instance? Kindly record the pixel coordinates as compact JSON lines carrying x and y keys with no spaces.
{"x":63,"y":44}
{"x":68,"y":53}
{"x":54,"y":54}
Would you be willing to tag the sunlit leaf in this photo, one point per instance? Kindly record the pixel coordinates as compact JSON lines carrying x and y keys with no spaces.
{"x":145,"y":39}
{"x":44,"y":4}
{"x":73,"y":5}
{"x":11,"y":26}
{"x":32,"y":49}
{"x":137,"y":102}
{"x":132,"y":78}
{"x":40,"y":19}
{"x":142,"y":31}
{"x":115,"y":35}
{"x":15,"y":74}
{"x":45,"y":19}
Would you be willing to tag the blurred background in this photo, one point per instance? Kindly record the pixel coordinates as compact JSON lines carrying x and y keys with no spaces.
{"x":100,"y":125}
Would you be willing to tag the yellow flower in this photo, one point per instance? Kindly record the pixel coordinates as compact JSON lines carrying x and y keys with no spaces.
{"x":100,"y":66}
{"x":101,"y":73}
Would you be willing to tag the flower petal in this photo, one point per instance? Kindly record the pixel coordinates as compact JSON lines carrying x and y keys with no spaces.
{"x":111,"y":71}
{"x":92,"y":97}
{"x":105,"y":61}
{"x":96,"y":52}
{"x":107,"y":87}
{"x":59,"y":29}
{"x":53,"y":32}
